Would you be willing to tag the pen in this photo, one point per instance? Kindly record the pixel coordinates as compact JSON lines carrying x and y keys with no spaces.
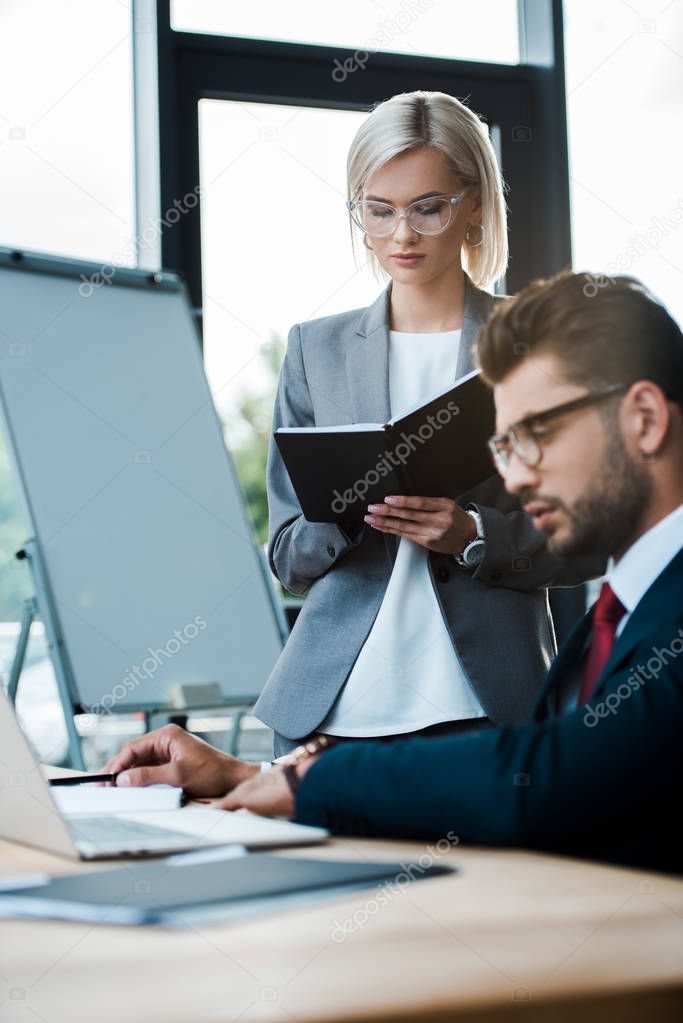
{"x":82,"y":779}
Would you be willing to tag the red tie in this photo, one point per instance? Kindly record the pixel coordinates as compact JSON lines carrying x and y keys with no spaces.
{"x":607,"y":614}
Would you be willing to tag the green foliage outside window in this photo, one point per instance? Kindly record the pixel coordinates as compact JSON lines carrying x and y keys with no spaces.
{"x":248,"y":433}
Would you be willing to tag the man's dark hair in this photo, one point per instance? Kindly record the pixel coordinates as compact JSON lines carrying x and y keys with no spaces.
{"x":605,"y":330}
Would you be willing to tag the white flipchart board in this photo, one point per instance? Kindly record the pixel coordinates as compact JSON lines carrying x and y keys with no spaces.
{"x":128,"y":487}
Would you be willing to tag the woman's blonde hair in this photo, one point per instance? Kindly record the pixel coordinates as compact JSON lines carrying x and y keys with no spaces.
{"x":413,"y":120}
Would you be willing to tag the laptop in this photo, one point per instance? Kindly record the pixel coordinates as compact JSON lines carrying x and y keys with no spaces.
{"x":29,"y":814}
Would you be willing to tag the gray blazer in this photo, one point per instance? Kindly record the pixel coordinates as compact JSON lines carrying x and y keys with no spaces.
{"x":336,"y":370}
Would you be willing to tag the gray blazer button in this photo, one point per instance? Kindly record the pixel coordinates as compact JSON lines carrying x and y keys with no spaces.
{"x":442,"y":574}
{"x":330,"y":550}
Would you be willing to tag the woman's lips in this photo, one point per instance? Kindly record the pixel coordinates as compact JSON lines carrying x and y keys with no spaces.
{"x":407,"y":259}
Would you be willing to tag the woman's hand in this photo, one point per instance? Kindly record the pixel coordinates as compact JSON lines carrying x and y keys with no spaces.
{"x":434,"y":522}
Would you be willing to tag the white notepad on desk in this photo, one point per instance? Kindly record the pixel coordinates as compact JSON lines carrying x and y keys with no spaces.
{"x":114,"y":826}
{"x":89,"y":799}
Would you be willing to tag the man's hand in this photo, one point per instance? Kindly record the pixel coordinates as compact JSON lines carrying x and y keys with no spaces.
{"x":434,"y":522}
{"x":267,"y":793}
{"x":172,"y":756}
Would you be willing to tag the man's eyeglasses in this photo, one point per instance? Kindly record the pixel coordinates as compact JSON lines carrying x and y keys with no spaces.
{"x":426,"y":216}
{"x":524,"y":438}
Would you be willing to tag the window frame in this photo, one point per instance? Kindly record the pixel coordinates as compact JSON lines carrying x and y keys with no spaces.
{"x":192,"y":66}
{"x":174,"y":70}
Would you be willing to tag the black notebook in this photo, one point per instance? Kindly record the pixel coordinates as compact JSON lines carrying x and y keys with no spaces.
{"x":436,"y":449}
{"x":180,"y":892}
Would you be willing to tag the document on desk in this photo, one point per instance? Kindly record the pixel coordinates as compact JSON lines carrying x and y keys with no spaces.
{"x":184,"y":891}
{"x":96,"y":799}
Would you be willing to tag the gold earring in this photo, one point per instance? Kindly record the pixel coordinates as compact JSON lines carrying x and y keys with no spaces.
{"x":475,"y":245}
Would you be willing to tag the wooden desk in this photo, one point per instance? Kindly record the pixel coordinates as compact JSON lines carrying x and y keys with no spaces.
{"x":513,"y":932}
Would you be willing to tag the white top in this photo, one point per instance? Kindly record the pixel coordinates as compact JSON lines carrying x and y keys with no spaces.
{"x":407,"y":675}
{"x":647,"y":558}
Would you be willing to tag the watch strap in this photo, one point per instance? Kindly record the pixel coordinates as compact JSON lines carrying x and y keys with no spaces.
{"x":478,"y":541}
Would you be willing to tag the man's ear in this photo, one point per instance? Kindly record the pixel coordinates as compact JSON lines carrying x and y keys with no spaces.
{"x":647,"y":417}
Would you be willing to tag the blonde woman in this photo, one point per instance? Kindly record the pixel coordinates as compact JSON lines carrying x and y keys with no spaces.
{"x":433,"y":616}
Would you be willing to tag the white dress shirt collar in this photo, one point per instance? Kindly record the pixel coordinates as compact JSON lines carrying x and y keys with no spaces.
{"x":647,"y":558}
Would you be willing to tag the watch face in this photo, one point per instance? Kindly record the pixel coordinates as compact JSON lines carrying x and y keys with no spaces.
{"x":474,"y":554}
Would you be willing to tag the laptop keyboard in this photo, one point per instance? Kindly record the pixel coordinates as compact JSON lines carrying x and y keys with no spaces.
{"x":118,"y":829}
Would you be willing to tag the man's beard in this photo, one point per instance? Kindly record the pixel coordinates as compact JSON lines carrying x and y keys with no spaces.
{"x":607,"y":516}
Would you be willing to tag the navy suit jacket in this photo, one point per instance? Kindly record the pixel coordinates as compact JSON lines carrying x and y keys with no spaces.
{"x":602,"y":781}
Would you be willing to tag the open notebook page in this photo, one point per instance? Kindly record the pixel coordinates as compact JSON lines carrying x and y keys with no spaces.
{"x":75,"y":799}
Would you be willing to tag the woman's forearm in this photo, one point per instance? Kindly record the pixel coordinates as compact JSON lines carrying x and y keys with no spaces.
{"x":301,"y":551}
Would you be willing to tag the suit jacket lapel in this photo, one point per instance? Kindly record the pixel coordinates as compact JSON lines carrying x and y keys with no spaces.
{"x":661,"y":600}
{"x":367,"y":360}
{"x":478,"y":308}
{"x":367,"y":364}
{"x":569,"y":655}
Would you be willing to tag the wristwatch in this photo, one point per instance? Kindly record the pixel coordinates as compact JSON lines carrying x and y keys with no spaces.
{"x":473,"y":554}
{"x":304,"y":752}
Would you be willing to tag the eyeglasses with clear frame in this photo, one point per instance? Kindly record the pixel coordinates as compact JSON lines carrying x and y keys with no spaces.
{"x":425,"y":216}
{"x":522,"y":437}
